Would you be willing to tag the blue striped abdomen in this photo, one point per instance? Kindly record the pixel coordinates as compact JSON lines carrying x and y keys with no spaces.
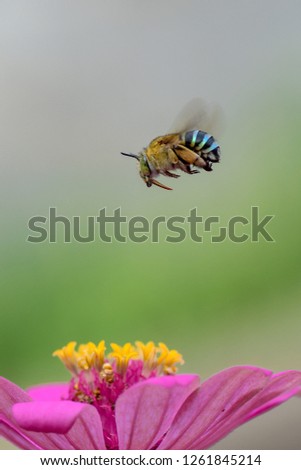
{"x":202,"y":143}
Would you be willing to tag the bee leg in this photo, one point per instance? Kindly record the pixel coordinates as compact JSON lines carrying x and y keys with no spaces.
{"x":172,"y":156}
{"x":208,"y":166}
{"x":188,"y":156}
{"x":156,"y":183}
{"x":190,"y":171}
{"x":172,"y":175}
{"x":187,"y":169}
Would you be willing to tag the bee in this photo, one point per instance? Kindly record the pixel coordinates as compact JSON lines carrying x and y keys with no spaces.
{"x":186,"y":148}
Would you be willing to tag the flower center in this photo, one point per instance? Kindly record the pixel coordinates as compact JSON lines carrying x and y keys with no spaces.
{"x":99,"y":379}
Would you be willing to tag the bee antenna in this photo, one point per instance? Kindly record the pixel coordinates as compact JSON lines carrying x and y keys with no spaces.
{"x":130,"y":155}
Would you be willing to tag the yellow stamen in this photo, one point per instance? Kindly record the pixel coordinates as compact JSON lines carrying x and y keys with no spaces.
{"x":122,"y":356}
{"x":90,"y":355}
{"x":148,"y":354}
{"x":68,"y":356}
{"x":146,"y":351}
{"x":168,"y":358}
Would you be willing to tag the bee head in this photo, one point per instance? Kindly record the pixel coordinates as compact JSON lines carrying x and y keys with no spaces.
{"x":146,"y":173}
{"x":144,"y":170}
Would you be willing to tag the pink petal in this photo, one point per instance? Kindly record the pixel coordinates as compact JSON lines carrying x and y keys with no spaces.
{"x":224,"y":402}
{"x":47,"y":416}
{"x":145,"y":411}
{"x":216,"y":397}
{"x":9,"y":395}
{"x":17,"y":409}
{"x":280,"y":388}
{"x":50,"y":392}
{"x":8,"y":432}
{"x":60,"y":418}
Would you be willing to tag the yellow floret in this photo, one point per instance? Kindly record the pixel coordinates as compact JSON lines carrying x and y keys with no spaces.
{"x":168,"y":359}
{"x":91,"y":356}
{"x":122,"y":356}
{"x":68,"y":356}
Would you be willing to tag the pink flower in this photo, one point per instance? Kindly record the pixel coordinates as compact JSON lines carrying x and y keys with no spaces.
{"x":126,"y":404}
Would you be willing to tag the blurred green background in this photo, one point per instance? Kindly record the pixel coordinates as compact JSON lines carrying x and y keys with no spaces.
{"x":82,"y":81}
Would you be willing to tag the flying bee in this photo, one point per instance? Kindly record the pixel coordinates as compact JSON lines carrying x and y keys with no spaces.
{"x":186,"y":149}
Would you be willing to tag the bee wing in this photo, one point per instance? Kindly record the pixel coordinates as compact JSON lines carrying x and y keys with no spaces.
{"x":197,"y":114}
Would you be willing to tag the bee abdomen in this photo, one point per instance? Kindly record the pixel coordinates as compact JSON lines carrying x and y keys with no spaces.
{"x":201,"y":142}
